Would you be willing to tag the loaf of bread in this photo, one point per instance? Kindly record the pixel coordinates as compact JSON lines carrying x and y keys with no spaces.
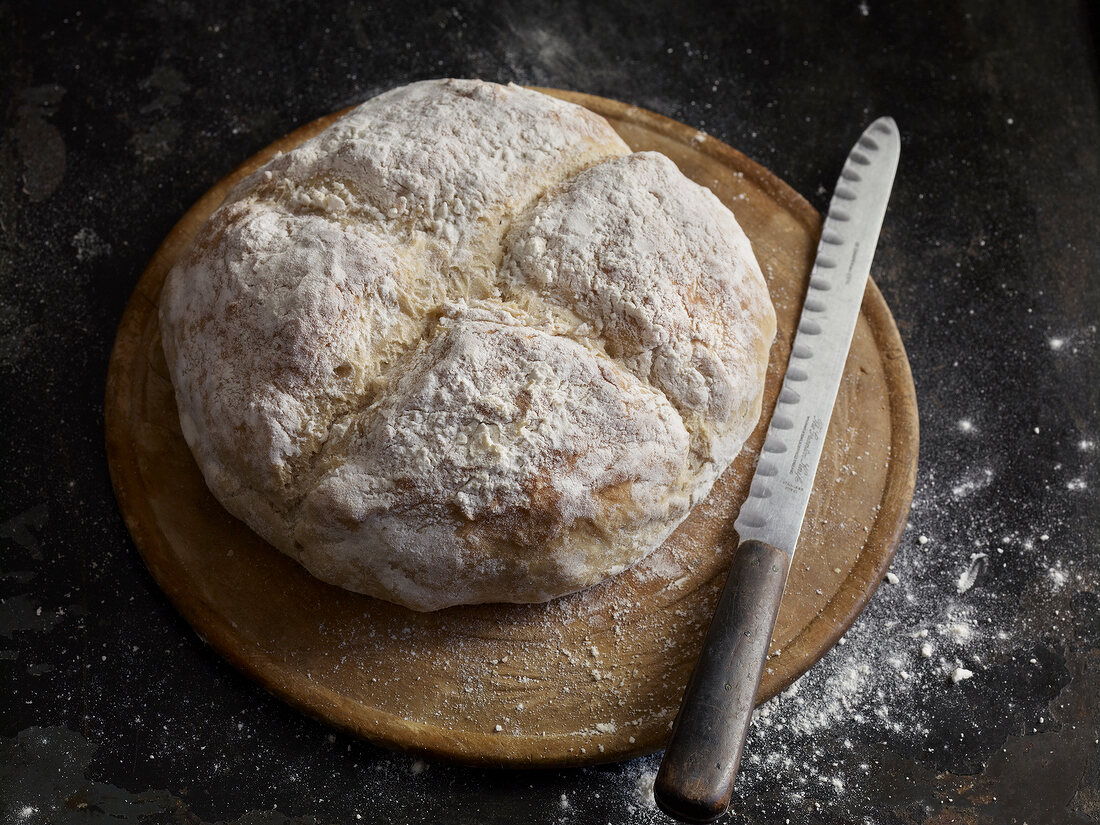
{"x":464,"y":346}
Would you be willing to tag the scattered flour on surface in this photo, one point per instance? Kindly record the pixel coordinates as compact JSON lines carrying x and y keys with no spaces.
{"x":972,"y":484}
{"x":960,"y":674}
{"x":643,"y":788}
{"x":88,"y":245}
{"x":979,"y":562}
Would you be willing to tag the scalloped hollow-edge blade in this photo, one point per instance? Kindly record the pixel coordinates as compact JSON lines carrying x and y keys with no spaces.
{"x":780,"y":490}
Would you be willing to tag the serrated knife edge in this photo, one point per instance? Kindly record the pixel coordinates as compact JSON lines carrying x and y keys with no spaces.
{"x":781,"y":485}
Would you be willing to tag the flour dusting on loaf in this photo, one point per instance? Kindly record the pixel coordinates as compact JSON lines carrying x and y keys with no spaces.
{"x":464,"y":346}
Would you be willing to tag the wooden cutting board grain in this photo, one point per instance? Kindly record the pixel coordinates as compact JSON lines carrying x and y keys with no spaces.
{"x":592,"y":677}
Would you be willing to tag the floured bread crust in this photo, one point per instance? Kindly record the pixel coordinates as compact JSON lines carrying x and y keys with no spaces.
{"x":464,"y":347}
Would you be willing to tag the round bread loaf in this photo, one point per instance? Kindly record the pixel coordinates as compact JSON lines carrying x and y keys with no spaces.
{"x":464,"y":347}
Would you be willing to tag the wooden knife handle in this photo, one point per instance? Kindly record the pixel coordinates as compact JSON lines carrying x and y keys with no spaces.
{"x":695,"y":781}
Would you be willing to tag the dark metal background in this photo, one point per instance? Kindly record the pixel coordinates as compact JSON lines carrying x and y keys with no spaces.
{"x":116,"y":121}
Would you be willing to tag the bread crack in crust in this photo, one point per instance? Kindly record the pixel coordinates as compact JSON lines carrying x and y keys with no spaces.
{"x":464,"y":347}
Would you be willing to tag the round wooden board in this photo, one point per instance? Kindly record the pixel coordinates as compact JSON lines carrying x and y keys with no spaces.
{"x":588,"y":678}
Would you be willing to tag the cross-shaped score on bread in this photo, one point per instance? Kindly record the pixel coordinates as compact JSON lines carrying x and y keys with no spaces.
{"x":464,"y":346}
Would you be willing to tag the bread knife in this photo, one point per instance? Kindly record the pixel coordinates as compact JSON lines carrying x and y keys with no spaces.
{"x":695,"y":780}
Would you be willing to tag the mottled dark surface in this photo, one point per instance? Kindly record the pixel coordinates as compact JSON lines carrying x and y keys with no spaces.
{"x":115,"y":122}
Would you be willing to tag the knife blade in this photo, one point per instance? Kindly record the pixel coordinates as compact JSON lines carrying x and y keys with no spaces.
{"x":695,"y":780}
